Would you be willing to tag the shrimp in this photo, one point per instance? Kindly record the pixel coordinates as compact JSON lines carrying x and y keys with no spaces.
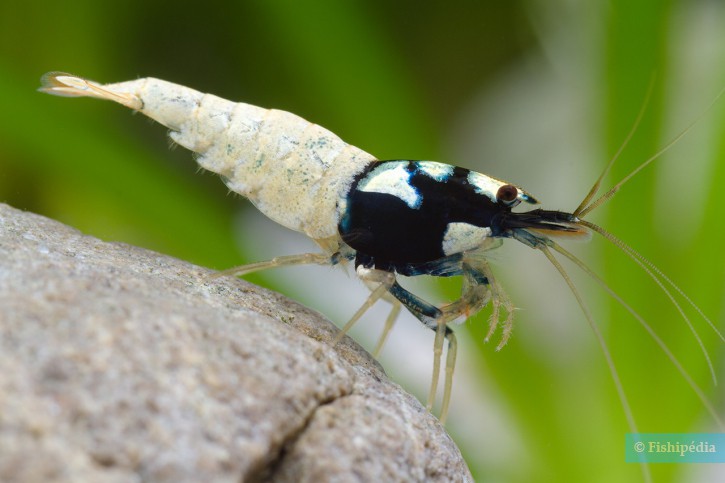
{"x":390,"y":218}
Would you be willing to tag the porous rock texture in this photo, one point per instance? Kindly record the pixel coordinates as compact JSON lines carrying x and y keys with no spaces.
{"x":118,"y":364}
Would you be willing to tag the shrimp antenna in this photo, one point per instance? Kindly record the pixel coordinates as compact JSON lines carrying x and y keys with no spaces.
{"x":663,"y":282}
{"x":663,"y":346}
{"x":545,"y":248}
{"x":650,"y":269}
{"x":595,"y":328}
{"x":608,"y":167}
{"x":584,"y":208}
{"x":656,"y":274}
{"x":583,"y":211}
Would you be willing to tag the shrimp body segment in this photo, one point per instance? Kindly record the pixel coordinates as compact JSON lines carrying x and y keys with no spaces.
{"x":294,"y":171}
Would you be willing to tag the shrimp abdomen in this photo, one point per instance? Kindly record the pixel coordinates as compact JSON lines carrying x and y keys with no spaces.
{"x":295,"y":172}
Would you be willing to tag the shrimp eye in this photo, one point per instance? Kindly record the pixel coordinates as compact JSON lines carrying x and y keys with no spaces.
{"x":507,"y":194}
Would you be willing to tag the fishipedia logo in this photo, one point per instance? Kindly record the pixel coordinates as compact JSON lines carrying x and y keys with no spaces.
{"x":675,"y":448}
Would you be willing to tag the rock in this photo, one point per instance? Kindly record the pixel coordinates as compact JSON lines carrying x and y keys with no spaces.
{"x":122,"y":365}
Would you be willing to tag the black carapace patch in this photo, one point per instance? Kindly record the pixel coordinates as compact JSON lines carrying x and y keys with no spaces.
{"x":387,"y":232}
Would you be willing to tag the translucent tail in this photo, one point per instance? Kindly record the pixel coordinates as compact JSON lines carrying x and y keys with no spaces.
{"x":68,"y":85}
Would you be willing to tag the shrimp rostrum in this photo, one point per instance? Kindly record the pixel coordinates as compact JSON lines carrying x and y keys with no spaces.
{"x":390,"y":218}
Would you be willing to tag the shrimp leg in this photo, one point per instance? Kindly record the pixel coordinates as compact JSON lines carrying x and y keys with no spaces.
{"x":287,"y":260}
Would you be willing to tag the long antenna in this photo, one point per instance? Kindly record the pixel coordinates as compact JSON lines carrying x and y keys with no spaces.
{"x":605,"y":172}
{"x":645,"y":265}
{"x":686,"y":375}
{"x":606,"y":196}
{"x":602,"y":344}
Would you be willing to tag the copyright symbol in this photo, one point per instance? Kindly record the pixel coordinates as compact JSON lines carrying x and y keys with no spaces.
{"x":639,"y":446}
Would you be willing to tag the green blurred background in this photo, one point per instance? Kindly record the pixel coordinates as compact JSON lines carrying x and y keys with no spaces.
{"x":537,"y":92}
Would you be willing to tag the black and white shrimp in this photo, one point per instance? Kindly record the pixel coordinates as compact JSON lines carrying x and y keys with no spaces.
{"x":389,"y":218}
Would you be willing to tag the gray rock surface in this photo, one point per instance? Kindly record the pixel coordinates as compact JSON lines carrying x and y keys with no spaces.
{"x":122,"y":365}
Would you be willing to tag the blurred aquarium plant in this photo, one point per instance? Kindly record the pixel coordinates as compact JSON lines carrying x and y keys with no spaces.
{"x":537,"y":92}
